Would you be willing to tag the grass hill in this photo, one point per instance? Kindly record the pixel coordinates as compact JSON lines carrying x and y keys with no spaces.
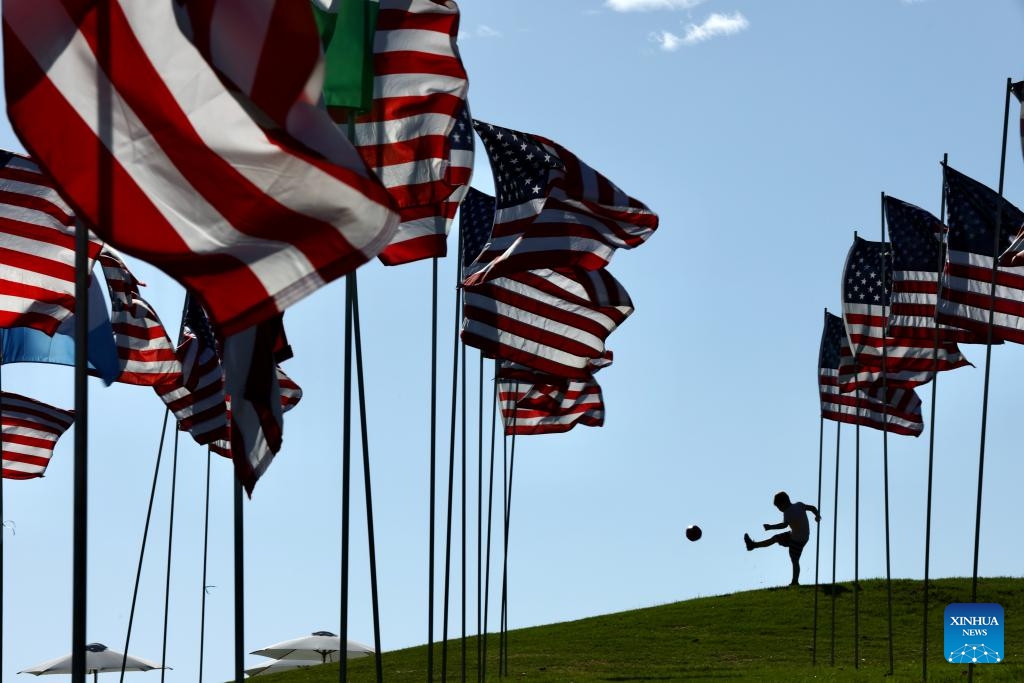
{"x":762,"y":635}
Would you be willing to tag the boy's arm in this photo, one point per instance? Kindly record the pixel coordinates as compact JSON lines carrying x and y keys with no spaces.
{"x":811,"y":508}
{"x":769,"y":527}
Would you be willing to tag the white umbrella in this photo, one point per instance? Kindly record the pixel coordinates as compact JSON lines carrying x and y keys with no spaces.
{"x":322,"y":644}
{"x":281,"y":665}
{"x":98,"y":659}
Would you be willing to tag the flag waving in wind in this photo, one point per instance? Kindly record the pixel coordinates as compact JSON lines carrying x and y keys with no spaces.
{"x":553,"y":210}
{"x":30,"y":431}
{"x":37,"y":248}
{"x":866,"y":290}
{"x":242,"y":189}
{"x":900,"y":413}
{"x":966,"y":297}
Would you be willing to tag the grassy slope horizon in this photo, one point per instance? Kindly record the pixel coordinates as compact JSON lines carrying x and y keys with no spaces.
{"x":765,"y":635}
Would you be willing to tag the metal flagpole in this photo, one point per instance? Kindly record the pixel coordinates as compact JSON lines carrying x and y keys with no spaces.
{"x":480,"y":520}
{"x":239,"y":581}
{"x":508,"y":515}
{"x":463,"y":444}
{"x":145,"y":535}
{"x":885,"y":433}
{"x":490,"y":507}
{"x":988,"y":354}
{"x":346,"y":467}
{"x":817,"y":542}
{"x":504,"y":515}
{"x":835,"y":529}
{"x":433,"y":477}
{"x":206,"y":549}
{"x":170,"y":546}
{"x":856,"y":543}
{"x":451,"y":461}
{"x":361,"y":388}
{"x":931,"y":432}
{"x":856,"y":531}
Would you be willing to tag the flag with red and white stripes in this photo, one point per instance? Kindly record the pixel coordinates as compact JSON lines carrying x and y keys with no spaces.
{"x":197,"y":400}
{"x":250,"y":219}
{"x":534,"y":403}
{"x":424,"y":229}
{"x":144,"y":351}
{"x":37,"y":248}
{"x":553,"y":210}
{"x":866,"y":291}
{"x":30,"y":431}
{"x":553,"y":321}
{"x":419,"y":92}
{"x":976,"y":214}
{"x":899,"y":413}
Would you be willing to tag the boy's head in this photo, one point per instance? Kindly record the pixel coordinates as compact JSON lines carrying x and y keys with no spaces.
{"x":781,"y":500}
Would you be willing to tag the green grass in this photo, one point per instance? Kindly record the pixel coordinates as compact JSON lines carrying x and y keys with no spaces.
{"x":762,"y":635}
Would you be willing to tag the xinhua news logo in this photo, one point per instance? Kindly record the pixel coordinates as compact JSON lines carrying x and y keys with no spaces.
{"x":974,"y":633}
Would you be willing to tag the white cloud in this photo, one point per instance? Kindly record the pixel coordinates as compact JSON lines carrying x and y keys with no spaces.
{"x":485,"y":31}
{"x":669,"y":42}
{"x":648,"y":5}
{"x":715,"y":25}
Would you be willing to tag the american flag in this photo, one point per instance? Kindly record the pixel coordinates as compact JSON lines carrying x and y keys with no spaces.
{"x":291,"y":394}
{"x":966,"y":294}
{"x":900,"y":414}
{"x":197,"y":399}
{"x":37,"y":248}
{"x":476,"y":217}
{"x":553,"y":321}
{"x":410,"y":136}
{"x":917,"y":256}
{"x":144,"y":350}
{"x":250,"y":219}
{"x":534,"y":403}
{"x":30,"y":431}
{"x":866,"y":299}
{"x":853,"y":375}
{"x":255,"y":404}
{"x":553,"y":210}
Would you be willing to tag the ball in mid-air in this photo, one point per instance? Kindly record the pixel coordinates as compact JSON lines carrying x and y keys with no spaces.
{"x":693,"y":532}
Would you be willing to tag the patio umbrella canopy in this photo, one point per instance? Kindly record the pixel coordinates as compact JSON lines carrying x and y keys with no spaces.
{"x":281,"y":665}
{"x":322,"y":644}
{"x":98,"y":659}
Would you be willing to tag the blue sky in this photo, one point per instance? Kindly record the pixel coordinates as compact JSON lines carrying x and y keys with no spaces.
{"x":763,"y":134}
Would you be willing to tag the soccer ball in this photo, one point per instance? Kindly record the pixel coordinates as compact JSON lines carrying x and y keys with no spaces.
{"x":693,"y":532}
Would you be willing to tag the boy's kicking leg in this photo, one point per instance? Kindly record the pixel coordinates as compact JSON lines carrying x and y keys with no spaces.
{"x":781,"y":539}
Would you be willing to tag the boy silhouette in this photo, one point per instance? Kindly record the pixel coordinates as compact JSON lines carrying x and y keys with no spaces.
{"x":794,"y":516}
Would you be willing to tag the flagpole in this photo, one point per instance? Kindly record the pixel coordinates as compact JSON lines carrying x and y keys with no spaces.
{"x":451,"y":460}
{"x":239,"y":547}
{"x":988,"y":344}
{"x":206,"y":548}
{"x":835,"y":530}
{"x":885,"y":432}
{"x":490,"y":508}
{"x":856,"y":529}
{"x":988,"y":353}
{"x":145,"y":536}
{"x":361,"y":388}
{"x":463,"y":444}
{"x":170,"y":546}
{"x":3,"y":528}
{"x":931,"y":431}
{"x":346,"y":467}
{"x":433,"y":476}
{"x":817,"y":542}
{"x":508,"y":515}
{"x":479,"y":520}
